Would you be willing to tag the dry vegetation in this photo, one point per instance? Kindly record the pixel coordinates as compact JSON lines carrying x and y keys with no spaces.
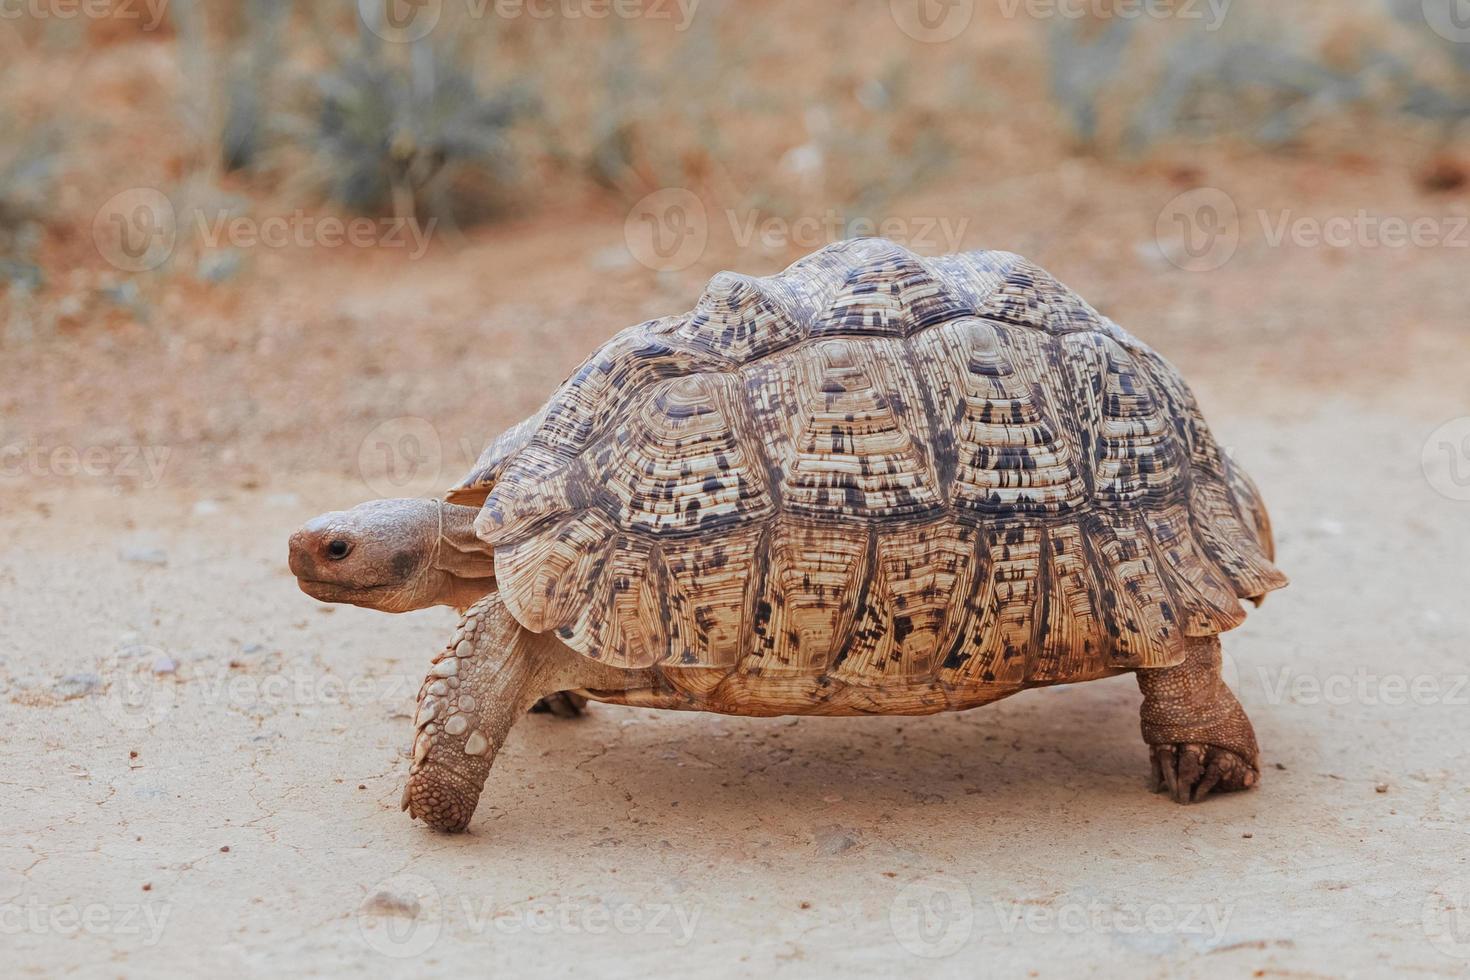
{"x":520,"y":143}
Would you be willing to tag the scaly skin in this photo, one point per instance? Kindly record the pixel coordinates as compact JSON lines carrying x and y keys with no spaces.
{"x":491,"y":674}
{"x":1199,"y":737}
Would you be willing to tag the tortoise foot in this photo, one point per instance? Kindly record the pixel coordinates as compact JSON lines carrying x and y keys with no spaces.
{"x":1190,"y":771}
{"x":567,"y":704}
{"x":441,"y":800}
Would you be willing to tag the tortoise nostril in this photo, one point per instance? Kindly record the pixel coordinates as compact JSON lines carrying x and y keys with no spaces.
{"x":338,"y":549}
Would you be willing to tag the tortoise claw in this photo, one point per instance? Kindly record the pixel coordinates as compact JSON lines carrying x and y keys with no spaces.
{"x":1190,"y":771}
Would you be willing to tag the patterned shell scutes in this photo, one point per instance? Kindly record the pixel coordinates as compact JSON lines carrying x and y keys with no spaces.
{"x":874,"y":467}
{"x":492,"y":462}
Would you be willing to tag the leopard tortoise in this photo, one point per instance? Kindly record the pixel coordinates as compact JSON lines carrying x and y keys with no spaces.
{"x":873,"y":484}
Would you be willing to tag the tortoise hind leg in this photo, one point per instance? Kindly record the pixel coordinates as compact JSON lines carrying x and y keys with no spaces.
{"x":565,"y":704}
{"x":1199,"y":737}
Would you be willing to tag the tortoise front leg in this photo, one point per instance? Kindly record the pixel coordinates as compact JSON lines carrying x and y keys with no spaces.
{"x":491,"y":673}
{"x":1199,"y":737}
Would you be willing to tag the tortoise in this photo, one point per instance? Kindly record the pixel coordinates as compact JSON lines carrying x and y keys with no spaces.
{"x":873,"y":484}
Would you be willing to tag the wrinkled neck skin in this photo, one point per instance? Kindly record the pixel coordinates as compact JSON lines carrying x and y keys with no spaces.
{"x":461,"y":566}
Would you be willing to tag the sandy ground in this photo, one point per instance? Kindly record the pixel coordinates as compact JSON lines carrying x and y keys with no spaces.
{"x":204,"y":768}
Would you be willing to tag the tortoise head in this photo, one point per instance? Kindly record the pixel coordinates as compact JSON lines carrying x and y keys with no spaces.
{"x":394,"y":555}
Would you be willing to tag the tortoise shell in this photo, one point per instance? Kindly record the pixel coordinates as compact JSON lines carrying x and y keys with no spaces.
{"x":875,"y":467}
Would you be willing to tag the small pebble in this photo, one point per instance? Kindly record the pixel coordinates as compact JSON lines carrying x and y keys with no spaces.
{"x":389,"y":903}
{"x":165,"y":665}
{"x":834,"y":840}
{"x":1381,"y":788}
{"x":225,"y":849}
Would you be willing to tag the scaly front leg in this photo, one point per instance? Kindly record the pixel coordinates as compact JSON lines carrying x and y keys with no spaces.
{"x":491,"y":673}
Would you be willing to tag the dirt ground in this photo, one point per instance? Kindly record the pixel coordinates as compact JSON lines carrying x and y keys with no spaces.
{"x":203,"y":766}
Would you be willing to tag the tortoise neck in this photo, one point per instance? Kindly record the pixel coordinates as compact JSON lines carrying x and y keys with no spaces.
{"x":465,"y":562}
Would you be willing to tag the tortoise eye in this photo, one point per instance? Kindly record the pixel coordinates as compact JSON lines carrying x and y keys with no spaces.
{"x":338,"y":549}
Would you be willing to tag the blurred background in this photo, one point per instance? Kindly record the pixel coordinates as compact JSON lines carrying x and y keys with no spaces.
{"x":250,"y":231}
{"x":261,"y":259}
